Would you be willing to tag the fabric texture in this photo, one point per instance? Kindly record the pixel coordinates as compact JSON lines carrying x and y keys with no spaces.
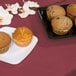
{"x":49,"y":57}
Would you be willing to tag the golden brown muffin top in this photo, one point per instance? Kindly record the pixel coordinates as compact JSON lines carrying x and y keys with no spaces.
{"x":5,"y":39}
{"x":22,"y":34}
{"x":71,"y":9}
{"x":62,"y":23}
{"x":55,"y":10}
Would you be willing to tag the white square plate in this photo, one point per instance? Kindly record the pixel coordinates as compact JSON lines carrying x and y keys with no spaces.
{"x":16,"y":54}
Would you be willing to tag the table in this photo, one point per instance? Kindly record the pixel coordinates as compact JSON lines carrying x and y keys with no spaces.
{"x":49,"y":57}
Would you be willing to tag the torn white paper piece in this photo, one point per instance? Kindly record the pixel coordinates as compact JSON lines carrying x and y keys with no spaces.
{"x":31,"y":4}
{"x":13,"y":8}
{"x":26,"y":9}
{"x":26,"y":13}
{"x":5,"y":17}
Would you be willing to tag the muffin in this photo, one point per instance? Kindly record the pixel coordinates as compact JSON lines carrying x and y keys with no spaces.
{"x":54,"y":11}
{"x":71,"y":10}
{"x":5,"y":41}
{"x":22,"y":36}
{"x":61,"y":25}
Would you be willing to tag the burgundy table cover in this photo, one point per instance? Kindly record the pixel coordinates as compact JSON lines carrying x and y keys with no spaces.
{"x":49,"y":57}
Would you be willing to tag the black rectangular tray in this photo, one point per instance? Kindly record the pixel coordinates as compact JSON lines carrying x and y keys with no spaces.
{"x":47,"y":25}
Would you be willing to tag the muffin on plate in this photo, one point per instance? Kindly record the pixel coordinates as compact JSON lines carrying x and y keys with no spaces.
{"x":5,"y":41}
{"x":22,"y":36}
{"x":61,"y":25}
{"x":71,"y":10}
{"x":54,"y":11}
